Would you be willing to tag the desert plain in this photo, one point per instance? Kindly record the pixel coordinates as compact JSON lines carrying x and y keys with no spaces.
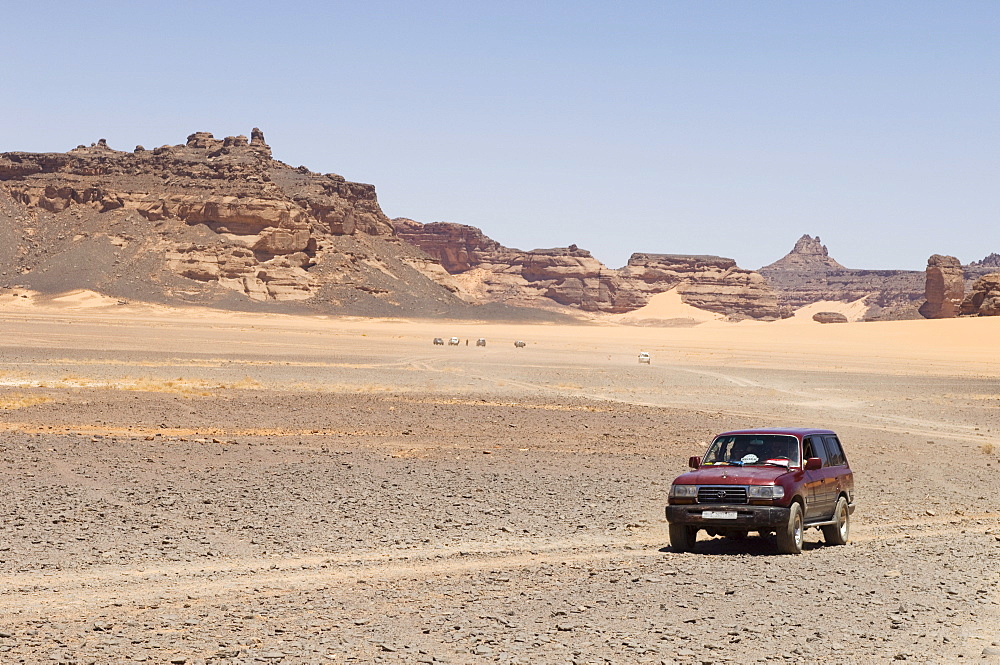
{"x":206,"y":487}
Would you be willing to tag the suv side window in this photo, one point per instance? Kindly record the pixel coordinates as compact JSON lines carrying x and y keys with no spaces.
{"x":812,"y":446}
{"x":836,"y":452}
{"x":821,"y":450}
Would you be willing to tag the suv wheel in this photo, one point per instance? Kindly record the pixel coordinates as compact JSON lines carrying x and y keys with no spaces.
{"x":790,"y":537}
{"x":838,"y":532}
{"x":682,"y":537}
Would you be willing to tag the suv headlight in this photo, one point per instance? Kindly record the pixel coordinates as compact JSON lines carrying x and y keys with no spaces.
{"x":765,"y":492}
{"x":683,"y":491}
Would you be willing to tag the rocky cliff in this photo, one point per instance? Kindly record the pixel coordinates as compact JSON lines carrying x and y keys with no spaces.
{"x":808,"y":274}
{"x":210,"y":221}
{"x":571,"y":276}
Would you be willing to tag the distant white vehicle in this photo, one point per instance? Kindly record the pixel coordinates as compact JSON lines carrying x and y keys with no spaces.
{"x":453,"y":341}
{"x":643,"y":357}
{"x":519,"y":344}
{"x":481,"y":341}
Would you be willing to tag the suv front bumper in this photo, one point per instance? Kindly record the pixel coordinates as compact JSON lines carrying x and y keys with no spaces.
{"x":748,"y":517}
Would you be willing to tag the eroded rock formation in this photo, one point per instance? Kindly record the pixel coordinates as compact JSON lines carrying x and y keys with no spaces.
{"x":984,"y":299}
{"x":572,"y":276}
{"x":808,"y":274}
{"x":945,"y":288}
{"x":991,"y":261}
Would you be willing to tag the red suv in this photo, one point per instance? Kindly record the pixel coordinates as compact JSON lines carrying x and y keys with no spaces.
{"x":779,"y":481}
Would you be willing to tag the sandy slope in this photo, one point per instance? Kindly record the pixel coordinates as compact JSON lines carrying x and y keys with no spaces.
{"x":230,"y":488}
{"x":665,"y":308}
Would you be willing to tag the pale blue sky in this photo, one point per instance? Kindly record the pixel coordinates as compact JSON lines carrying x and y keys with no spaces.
{"x":705,"y":127}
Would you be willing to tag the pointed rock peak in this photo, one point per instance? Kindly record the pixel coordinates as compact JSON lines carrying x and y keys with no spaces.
{"x":809,"y":254}
{"x":811,"y":246}
{"x":257,"y":142}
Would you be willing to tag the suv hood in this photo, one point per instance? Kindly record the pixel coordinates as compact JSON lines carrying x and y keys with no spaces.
{"x":733,"y":475}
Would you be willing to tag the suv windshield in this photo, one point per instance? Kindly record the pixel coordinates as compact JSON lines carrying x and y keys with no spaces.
{"x":754,"y":450}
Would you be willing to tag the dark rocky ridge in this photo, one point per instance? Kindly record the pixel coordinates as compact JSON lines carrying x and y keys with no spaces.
{"x":215,"y":222}
{"x":990,"y":261}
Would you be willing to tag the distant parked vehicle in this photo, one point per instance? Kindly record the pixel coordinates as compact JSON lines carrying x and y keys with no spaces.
{"x":438,"y":340}
{"x":453,"y":341}
{"x":519,"y":344}
{"x":644,"y":357}
{"x":481,"y":341}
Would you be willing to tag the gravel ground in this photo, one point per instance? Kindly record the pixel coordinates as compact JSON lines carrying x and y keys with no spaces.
{"x":230,"y":495}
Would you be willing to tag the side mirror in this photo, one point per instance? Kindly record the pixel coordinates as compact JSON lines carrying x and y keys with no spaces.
{"x":814,"y":463}
{"x":694,"y":462}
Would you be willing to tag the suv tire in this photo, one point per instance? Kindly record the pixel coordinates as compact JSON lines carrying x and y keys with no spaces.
{"x":838,"y":532}
{"x":790,"y":536}
{"x":682,"y":537}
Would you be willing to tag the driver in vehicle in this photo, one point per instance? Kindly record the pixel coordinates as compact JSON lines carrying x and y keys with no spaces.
{"x":779,"y":451}
{"x":738,"y":452}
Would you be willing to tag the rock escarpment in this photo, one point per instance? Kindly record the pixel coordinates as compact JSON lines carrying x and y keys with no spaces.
{"x":210,"y":221}
{"x":808,"y":274}
{"x":571,"y":276}
{"x":458,"y":247}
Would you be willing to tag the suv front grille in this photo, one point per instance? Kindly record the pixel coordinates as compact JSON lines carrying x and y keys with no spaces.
{"x":722,"y":494}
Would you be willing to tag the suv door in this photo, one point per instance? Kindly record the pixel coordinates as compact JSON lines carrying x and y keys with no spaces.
{"x":828,"y":488}
{"x":813,"y":485}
